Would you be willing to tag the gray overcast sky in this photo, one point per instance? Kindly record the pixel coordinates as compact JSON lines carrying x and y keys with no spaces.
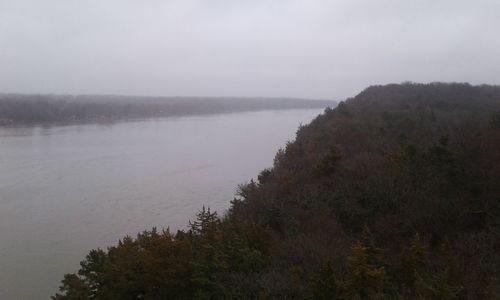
{"x":301,"y":48}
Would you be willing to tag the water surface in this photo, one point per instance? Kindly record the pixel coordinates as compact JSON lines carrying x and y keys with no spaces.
{"x":66,"y":190}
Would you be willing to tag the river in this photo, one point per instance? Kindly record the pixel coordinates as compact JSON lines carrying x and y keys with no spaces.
{"x":68,"y":189}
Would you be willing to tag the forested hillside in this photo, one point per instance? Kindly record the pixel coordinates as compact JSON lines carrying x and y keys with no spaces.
{"x":47,"y":109}
{"x":394,"y":194}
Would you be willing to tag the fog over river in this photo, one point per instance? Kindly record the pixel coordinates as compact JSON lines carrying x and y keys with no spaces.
{"x":66,"y":190}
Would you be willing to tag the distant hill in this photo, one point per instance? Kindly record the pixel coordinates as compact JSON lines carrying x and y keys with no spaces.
{"x":35,"y":109}
{"x":394,"y":194}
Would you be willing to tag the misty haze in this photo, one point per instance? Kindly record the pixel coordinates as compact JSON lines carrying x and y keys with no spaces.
{"x":190,"y":149}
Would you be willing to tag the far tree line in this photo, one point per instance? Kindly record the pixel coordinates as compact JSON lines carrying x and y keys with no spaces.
{"x":33,"y":109}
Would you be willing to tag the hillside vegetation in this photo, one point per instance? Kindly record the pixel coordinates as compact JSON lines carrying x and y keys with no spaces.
{"x":394,"y":194}
{"x":47,"y":109}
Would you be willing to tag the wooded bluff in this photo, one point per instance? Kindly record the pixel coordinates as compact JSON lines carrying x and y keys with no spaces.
{"x":394,"y":194}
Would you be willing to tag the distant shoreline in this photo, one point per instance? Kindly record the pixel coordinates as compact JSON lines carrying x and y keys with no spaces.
{"x":115,"y":121}
{"x":55,"y":110}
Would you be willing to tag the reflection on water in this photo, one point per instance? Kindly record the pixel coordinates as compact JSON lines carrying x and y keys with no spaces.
{"x":66,"y":190}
